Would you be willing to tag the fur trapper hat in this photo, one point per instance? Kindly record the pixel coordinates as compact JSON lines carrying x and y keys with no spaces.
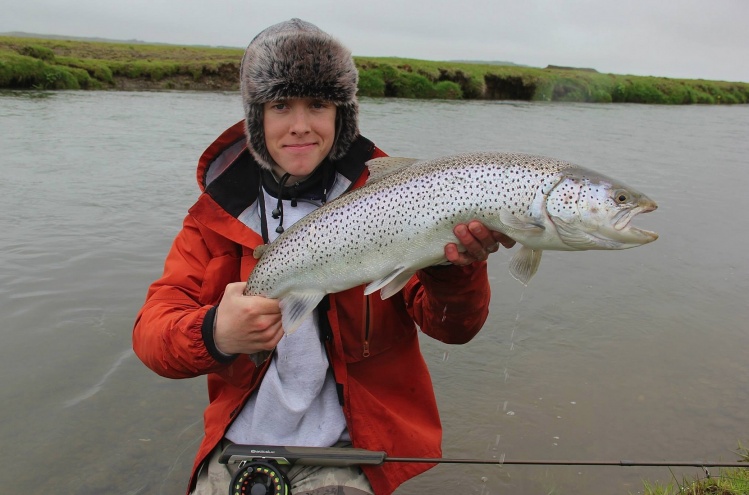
{"x":295,"y":59}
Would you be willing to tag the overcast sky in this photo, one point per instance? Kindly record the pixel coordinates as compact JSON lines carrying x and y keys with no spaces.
{"x":678,"y":38}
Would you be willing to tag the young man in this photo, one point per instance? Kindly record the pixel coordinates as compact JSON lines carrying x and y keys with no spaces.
{"x":352,"y":374}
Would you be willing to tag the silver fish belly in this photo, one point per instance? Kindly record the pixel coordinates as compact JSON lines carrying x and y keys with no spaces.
{"x":401,"y":220}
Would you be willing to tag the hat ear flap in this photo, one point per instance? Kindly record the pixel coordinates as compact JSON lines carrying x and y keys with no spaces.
{"x":347,"y":129}
{"x":255,"y":132}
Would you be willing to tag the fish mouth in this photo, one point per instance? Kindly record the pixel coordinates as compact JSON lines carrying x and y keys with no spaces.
{"x":623,"y":222}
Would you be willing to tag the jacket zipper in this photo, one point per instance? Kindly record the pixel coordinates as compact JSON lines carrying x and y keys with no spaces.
{"x":365,"y":352}
{"x":326,"y":336}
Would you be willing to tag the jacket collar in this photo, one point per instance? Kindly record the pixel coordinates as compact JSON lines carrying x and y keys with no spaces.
{"x":228,"y":177}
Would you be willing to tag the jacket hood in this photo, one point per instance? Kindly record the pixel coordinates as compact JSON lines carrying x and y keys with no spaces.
{"x":230,"y":175}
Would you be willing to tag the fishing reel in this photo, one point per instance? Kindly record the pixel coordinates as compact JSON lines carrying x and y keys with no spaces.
{"x":259,"y":477}
{"x":259,"y":471}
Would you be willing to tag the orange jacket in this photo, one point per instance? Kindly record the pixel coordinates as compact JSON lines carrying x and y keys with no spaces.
{"x":384,"y":385}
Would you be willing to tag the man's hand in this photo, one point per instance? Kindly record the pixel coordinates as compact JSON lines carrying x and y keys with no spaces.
{"x":479,"y":242}
{"x":246,"y":324}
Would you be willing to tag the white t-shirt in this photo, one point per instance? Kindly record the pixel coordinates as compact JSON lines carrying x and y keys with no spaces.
{"x":297,"y":402}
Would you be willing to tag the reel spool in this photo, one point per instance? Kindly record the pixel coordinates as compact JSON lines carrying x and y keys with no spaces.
{"x":259,"y":478}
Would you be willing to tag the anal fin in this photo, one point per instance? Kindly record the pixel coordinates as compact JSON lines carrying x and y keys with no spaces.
{"x":525,"y":264}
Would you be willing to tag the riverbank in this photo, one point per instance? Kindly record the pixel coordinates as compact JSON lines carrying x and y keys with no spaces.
{"x":39,"y":63}
{"x":731,"y":481}
{"x":726,"y":482}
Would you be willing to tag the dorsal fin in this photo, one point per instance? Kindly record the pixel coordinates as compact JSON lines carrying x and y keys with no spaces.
{"x":386,"y":165}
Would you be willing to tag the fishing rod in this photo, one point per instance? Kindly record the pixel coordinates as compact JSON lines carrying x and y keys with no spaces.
{"x":340,"y":457}
{"x":259,"y":464}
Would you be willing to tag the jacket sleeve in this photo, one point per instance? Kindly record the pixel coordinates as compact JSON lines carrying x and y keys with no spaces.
{"x":170,"y":329}
{"x":450,"y":303}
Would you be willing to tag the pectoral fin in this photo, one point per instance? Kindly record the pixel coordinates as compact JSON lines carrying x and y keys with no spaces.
{"x":525,"y":264}
{"x":391,"y":283}
{"x":515,"y":223}
{"x":296,"y":306}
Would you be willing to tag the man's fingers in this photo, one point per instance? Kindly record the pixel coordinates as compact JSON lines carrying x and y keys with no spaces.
{"x":478,"y":242}
{"x":502,"y":239}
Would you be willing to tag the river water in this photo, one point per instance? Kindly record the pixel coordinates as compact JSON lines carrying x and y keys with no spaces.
{"x":639,"y":354}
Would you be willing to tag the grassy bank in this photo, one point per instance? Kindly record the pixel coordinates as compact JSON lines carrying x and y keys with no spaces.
{"x":733,"y":481}
{"x":726,"y":482}
{"x":35,"y":63}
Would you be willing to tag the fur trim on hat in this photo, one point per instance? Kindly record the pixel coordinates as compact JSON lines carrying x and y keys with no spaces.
{"x":295,"y":59}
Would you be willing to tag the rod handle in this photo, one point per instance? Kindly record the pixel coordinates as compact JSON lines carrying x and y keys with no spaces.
{"x":306,"y":456}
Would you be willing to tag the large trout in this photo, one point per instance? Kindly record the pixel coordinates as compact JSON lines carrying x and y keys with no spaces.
{"x":400,"y":222}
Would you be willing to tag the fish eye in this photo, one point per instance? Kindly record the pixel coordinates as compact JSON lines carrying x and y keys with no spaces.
{"x":621,"y":196}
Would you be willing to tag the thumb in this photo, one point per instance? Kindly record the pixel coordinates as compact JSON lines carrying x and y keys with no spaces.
{"x":235,"y":289}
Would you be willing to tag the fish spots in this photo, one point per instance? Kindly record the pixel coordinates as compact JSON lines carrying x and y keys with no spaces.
{"x":353,"y":239}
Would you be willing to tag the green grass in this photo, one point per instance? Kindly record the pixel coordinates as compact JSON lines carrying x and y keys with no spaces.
{"x":527,"y":83}
{"x":734,"y":481}
{"x":62,"y":64}
{"x":727,"y":482}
